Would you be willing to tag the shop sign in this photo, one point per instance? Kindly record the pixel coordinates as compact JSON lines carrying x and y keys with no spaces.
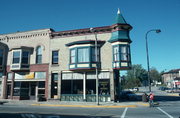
{"x":177,"y":83}
{"x":30,"y":75}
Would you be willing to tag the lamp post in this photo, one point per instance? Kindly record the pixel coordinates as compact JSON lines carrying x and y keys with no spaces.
{"x":96,"y":56}
{"x":157,"y":31}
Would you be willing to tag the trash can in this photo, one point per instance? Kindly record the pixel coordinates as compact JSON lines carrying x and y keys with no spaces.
{"x":144,"y":97}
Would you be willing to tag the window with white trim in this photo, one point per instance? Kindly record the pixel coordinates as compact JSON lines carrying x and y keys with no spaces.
{"x":39,"y":55}
{"x":16,"y":57}
{"x":116,"y":53}
{"x":55,"y":56}
{"x":83,"y":55}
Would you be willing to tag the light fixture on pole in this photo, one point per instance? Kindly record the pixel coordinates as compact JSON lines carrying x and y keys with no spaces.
{"x":96,"y":56}
{"x":157,"y":31}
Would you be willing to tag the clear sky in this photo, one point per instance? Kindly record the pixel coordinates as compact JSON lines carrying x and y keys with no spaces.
{"x":143,"y":15}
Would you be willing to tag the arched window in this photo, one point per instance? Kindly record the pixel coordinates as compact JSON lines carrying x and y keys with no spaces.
{"x":39,"y":55}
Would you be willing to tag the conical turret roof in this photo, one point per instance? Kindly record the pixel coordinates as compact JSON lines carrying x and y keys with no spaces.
{"x":120,"y":19}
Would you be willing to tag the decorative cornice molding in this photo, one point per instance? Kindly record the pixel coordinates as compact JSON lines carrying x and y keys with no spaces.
{"x":26,"y":34}
{"x":79,"y":32}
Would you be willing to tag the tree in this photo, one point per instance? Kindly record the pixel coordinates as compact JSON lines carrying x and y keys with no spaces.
{"x":135,"y":76}
{"x":155,"y":75}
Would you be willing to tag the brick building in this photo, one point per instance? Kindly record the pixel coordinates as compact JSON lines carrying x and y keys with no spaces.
{"x":61,"y":65}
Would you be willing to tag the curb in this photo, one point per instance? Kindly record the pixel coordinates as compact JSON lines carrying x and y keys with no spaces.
{"x":86,"y":106}
{"x":173,"y":94}
{"x":143,"y":104}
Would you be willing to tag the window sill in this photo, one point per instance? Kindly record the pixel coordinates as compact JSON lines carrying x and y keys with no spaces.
{"x":54,"y":65}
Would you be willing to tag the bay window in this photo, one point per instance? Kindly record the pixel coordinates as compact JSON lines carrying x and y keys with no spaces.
{"x":125,"y":53}
{"x":83,"y":55}
{"x":72,"y":56}
{"x":121,"y":56}
{"x":25,"y":57}
{"x":93,"y":55}
{"x":116,"y":53}
{"x":20,"y":59}
{"x":16,"y":57}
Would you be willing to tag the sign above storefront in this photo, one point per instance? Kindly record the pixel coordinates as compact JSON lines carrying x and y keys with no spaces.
{"x":30,"y":75}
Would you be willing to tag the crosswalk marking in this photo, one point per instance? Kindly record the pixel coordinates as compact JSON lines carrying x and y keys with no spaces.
{"x":124,"y":113}
{"x":165,"y":113}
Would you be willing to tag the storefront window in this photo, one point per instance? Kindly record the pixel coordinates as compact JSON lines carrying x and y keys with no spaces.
{"x":40,"y":75}
{"x":41,"y":84}
{"x":16,"y":92}
{"x":9,"y":76}
{"x":72,"y":87}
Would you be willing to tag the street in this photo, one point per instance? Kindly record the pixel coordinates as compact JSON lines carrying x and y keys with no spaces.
{"x":169,"y":107}
{"x":167,"y":110}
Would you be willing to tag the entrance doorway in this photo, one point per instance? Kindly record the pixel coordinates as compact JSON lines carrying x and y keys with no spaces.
{"x":32,"y":90}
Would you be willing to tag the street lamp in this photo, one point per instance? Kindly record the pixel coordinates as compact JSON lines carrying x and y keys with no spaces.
{"x":96,"y":55}
{"x":157,"y":31}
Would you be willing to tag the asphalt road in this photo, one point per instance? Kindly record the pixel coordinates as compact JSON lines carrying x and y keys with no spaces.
{"x":170,"y":109}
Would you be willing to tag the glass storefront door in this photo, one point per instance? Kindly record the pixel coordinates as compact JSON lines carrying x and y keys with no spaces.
{"x":32,"y":90}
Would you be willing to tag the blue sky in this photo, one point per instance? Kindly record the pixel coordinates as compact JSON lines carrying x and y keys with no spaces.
{"x":143,"y":15}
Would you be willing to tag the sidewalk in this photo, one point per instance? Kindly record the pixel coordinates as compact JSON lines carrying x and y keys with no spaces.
{"x":76,"y":104}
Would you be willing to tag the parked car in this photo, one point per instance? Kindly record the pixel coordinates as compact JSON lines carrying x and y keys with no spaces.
{"x":168,"y":90}
{"x":136,"y":89}
{"x":128,"y":95}
{"x":173,"y":90}
{"x":163,"y":88}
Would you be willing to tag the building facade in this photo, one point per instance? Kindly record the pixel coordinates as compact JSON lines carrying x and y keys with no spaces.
{"x":65,"y":65}
{"x":24,"y":58}
{"x":172,"y":78}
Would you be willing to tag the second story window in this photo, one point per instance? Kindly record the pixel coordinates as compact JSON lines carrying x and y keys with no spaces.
{"x":55,"y":57}
{"x":94,"y":55}
{"x":16,"y":57}
{"x":124,"y":53}
{"x":116,"y":53}
{"x":39,"y":55}
{"x":72,"y":56}
{"x":25,"y":57}
{"x":83,"y":55}
{"x":1,"y":57}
